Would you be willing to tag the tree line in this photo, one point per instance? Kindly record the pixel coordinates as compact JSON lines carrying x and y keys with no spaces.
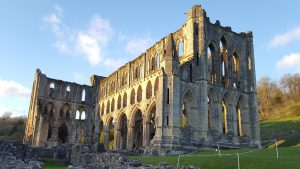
{"x":275,"y":94}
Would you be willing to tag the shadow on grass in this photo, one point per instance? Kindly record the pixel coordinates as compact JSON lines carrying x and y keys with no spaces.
{"x":49,"y":163}
{"x":281,"y":130}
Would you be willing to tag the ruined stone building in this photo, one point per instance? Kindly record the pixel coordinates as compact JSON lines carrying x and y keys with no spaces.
{"x":193,"y":88}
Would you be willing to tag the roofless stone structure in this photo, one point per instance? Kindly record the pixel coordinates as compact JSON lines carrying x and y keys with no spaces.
{"x":193,"y":88}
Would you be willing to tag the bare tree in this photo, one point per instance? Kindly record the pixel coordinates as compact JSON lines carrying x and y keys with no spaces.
{"x":6,"y":115}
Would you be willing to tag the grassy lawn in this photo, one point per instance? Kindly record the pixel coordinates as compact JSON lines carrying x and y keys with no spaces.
{"x":51,"y":164}
{"x":264,"y":158}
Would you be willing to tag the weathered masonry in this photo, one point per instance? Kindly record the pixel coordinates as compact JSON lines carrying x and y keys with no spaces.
{"x":193,"y":88}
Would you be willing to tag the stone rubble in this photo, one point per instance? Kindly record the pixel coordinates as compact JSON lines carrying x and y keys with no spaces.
{"x":14,"y":155}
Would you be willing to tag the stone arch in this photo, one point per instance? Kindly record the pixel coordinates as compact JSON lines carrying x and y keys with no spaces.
{"x":224,"y":42}
{"x":119,"y":102}
{"x":180,"y":47}
{"x":125,"y":99}
{"x":110,"y":130}
{"x":49,"y":134}
{"x":121,"y":132}
{"x":150,"y":123}
{"x":49,"y":109}
{"x":63,"y":133}
{"x":83,"y":115}
{"x":224,"y":60}
{"x":102,"y":109}
{"x":236,"y":64}
{"x":77,"y":115}
{"x":65,"y":111}
{"x":112,"y":105}
{"x":213,"y":116}
{"x":226,"y":104}
{"x":156,"y":85}
{"x":242,"y":117}
{"x":107,"y":106}
{"x":212,"y":53}
{"x":132,"y":96}
{"x":188,"y":105}
{"x":83,"y":93}
{"x":136,"y":124}
{"x":51,"y":89}
{"x":139,"y":95}
{"x":80,"y":113}
{"x":149,"y":90}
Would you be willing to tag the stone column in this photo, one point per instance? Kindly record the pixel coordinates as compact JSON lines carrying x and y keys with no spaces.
{"x":54,"y":138}
{"x":146,"y":134}
{"x":106,"y":138}
{"x":117,"y":137}
{"x":202,"y":114}
{"x":218,"y":111}
{"x":130,"y":138}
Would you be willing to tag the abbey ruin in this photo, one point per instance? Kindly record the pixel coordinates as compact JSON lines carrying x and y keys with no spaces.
{"x":193,"y":88}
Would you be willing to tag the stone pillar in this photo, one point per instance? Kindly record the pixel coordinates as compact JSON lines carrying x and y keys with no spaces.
{"x":106,"y":139}
{"x":146,"y":134}
{"x":202,"y":115}
{"x":229,"y":108}
{"x":254,"y":120}
{"x":117,"y":137}
{"x":54,"y":141}
{"x":218,"y":111}
{"x":130,"y":138}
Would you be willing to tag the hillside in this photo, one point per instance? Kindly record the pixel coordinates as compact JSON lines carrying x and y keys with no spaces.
{"x":284,"y":125}
{"x":12,"y":128}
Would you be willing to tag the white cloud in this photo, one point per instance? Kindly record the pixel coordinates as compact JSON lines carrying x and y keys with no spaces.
{"x":92,"y":41}
{"x":289,"y":63}
{"x":54,"y":20}
{"x":89,"y":47}
{"x":136,"y":46}
{"x":13,"y":89}
{"x":89,"y":42}
{"x":285,"y":38}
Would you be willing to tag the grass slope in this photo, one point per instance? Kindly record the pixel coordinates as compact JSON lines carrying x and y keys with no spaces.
{"x":264,"y":158}
{"x":287,"y":128}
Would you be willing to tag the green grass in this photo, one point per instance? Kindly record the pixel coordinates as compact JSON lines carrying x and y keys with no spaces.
{"x":264,"y":158}
{"x":286,"y":128}
{"x":49,"y":163}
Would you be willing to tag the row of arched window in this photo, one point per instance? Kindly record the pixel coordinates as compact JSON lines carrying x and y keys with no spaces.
{"x":64,"y":112}
{"x":67,"y":91}
{"x":135,"y":96}
{"x":220,"y":64}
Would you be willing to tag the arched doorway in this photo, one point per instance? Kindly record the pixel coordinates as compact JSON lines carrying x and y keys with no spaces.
{"x":111,"y":131}
{"x":151,"y":124}
{"x":242,"y":117}
{"x":138,"y":130}
{"x":224,"y":117}
{"x":188,"y":107}
{"x":122,"y":132}
{"x":63,"y":133}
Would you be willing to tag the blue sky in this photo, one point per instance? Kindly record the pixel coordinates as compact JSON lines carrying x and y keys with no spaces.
{"x":72,"y":40}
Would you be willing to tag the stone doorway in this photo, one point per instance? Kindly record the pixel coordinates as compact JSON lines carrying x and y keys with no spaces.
{"x":63,"y":133}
